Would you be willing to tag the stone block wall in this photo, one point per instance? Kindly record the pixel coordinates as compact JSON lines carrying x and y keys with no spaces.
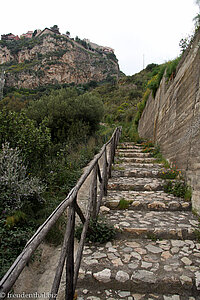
{"x":172,"y":119}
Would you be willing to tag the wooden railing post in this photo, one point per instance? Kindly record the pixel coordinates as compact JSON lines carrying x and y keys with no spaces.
{"x":82,"y":241}
{"x":119,"y":134}
{"x":111,"y":155}
{"x":69,"y":291}
{"x":105,"y":174}
{"x":114,"y":146}
{"x":93,"y":192}
{"x":64,"y":251}
{"x":103,"y":183}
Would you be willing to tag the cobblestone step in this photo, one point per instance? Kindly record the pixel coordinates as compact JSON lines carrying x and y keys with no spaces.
{"x":140,"y":160}
{"x":128,"y":171}
{"x":129,"y":146}
{"x":154,"y":224}
{"x":138,"y":200}
{"x":124,"y":165}
{"x":142,"y":266}
{"x":129,"y":153}
{"x":135,"y":184}
{"x":136,"y":150}
{"x":155,"y":252}
{"x":97,"y":294}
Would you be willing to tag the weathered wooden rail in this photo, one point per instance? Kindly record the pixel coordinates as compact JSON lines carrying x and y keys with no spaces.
{"x":98,"y":179}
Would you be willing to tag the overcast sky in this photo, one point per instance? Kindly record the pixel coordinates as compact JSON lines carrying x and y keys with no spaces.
{"x":140,"y":31}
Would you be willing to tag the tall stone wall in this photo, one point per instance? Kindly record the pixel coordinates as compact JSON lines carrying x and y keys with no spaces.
{"x":172,"y":119}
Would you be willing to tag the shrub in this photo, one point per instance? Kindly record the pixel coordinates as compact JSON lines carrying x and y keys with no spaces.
{"x":154,"y":83}
{"x":73,"y":113}
{"x":141,"y":107}
{"x":171,"y":68}
{"x":16,"y":186}
{"x":169,"y":174}
{"x":159,"y":157}
{"x":56,"y":234}
{"x":12,"y":240}
{"x":19,"y":217}
{"x":188,"y":194}
{"x":150,"y":67}
{"x":130,"y":133}
{"x":178,"y":189}
{"x":21,"y":132}
{"x":147,"y":145}
{"x":98,"y":232}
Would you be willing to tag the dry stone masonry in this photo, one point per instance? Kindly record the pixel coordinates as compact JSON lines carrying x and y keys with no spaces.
{"x":172,"y":119}
{"x":155,"y":255}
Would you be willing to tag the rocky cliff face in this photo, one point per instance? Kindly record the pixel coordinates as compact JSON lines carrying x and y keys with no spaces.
{"x":173,"y":118}
{"x":53,"y":59}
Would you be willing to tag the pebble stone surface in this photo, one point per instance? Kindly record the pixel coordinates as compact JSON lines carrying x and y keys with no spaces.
{"x":155,"y":255}
{"x":144,"y":200}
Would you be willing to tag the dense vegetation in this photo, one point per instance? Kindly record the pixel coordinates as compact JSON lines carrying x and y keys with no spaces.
{"x":16,"y":46}
{"x":45,"y":144}
{"x":125,"y":100}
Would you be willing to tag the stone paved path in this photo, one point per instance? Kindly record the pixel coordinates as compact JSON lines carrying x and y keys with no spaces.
{"x":155,"y":255}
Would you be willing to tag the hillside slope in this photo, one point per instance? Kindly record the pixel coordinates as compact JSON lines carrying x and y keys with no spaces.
{"x":54,"y":59}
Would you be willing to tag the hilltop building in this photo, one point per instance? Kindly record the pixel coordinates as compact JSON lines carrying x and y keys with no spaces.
{"x":98,"y":47}
{"x":27,"y":35}
{"x":45,"y":31}
{"x":9,"y":37}
{"x":53,"y":31}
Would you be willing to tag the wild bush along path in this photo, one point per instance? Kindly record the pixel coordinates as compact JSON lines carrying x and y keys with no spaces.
{"x":155,"y":254}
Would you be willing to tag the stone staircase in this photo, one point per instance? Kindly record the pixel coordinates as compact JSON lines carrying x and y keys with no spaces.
{"x":155,"y":255}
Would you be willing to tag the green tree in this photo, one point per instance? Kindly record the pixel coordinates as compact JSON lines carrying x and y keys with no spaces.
{"x":16,"y":186}
{"x":21,"y":132}
{"x":55,"y":29}
{"x":35,"y":32}
{"x":65,"y":112}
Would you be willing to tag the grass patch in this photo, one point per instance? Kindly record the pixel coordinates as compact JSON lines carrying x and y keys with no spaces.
{"x":130,"y":133}
{"x":178,"y":189}
{"x":150,"y":147}
{"x":195,"y":213}
{"x":159,"y":157}
{"x":152,"y":236}
{"x":197,"y":234}
{"x":98,"y":232}
{"x":56,"y":233}
{"x":118,"y":168}
{"x":171,"y":68}
{"x":188,"y":194}
{"x":124,"y":204}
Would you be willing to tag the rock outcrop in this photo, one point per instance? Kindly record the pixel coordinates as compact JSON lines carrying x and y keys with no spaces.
{"x":172,"y":119}
{"x":54,"y":59}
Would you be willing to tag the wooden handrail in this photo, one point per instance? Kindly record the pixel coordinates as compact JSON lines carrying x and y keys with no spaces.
{"x":94,"y":203}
